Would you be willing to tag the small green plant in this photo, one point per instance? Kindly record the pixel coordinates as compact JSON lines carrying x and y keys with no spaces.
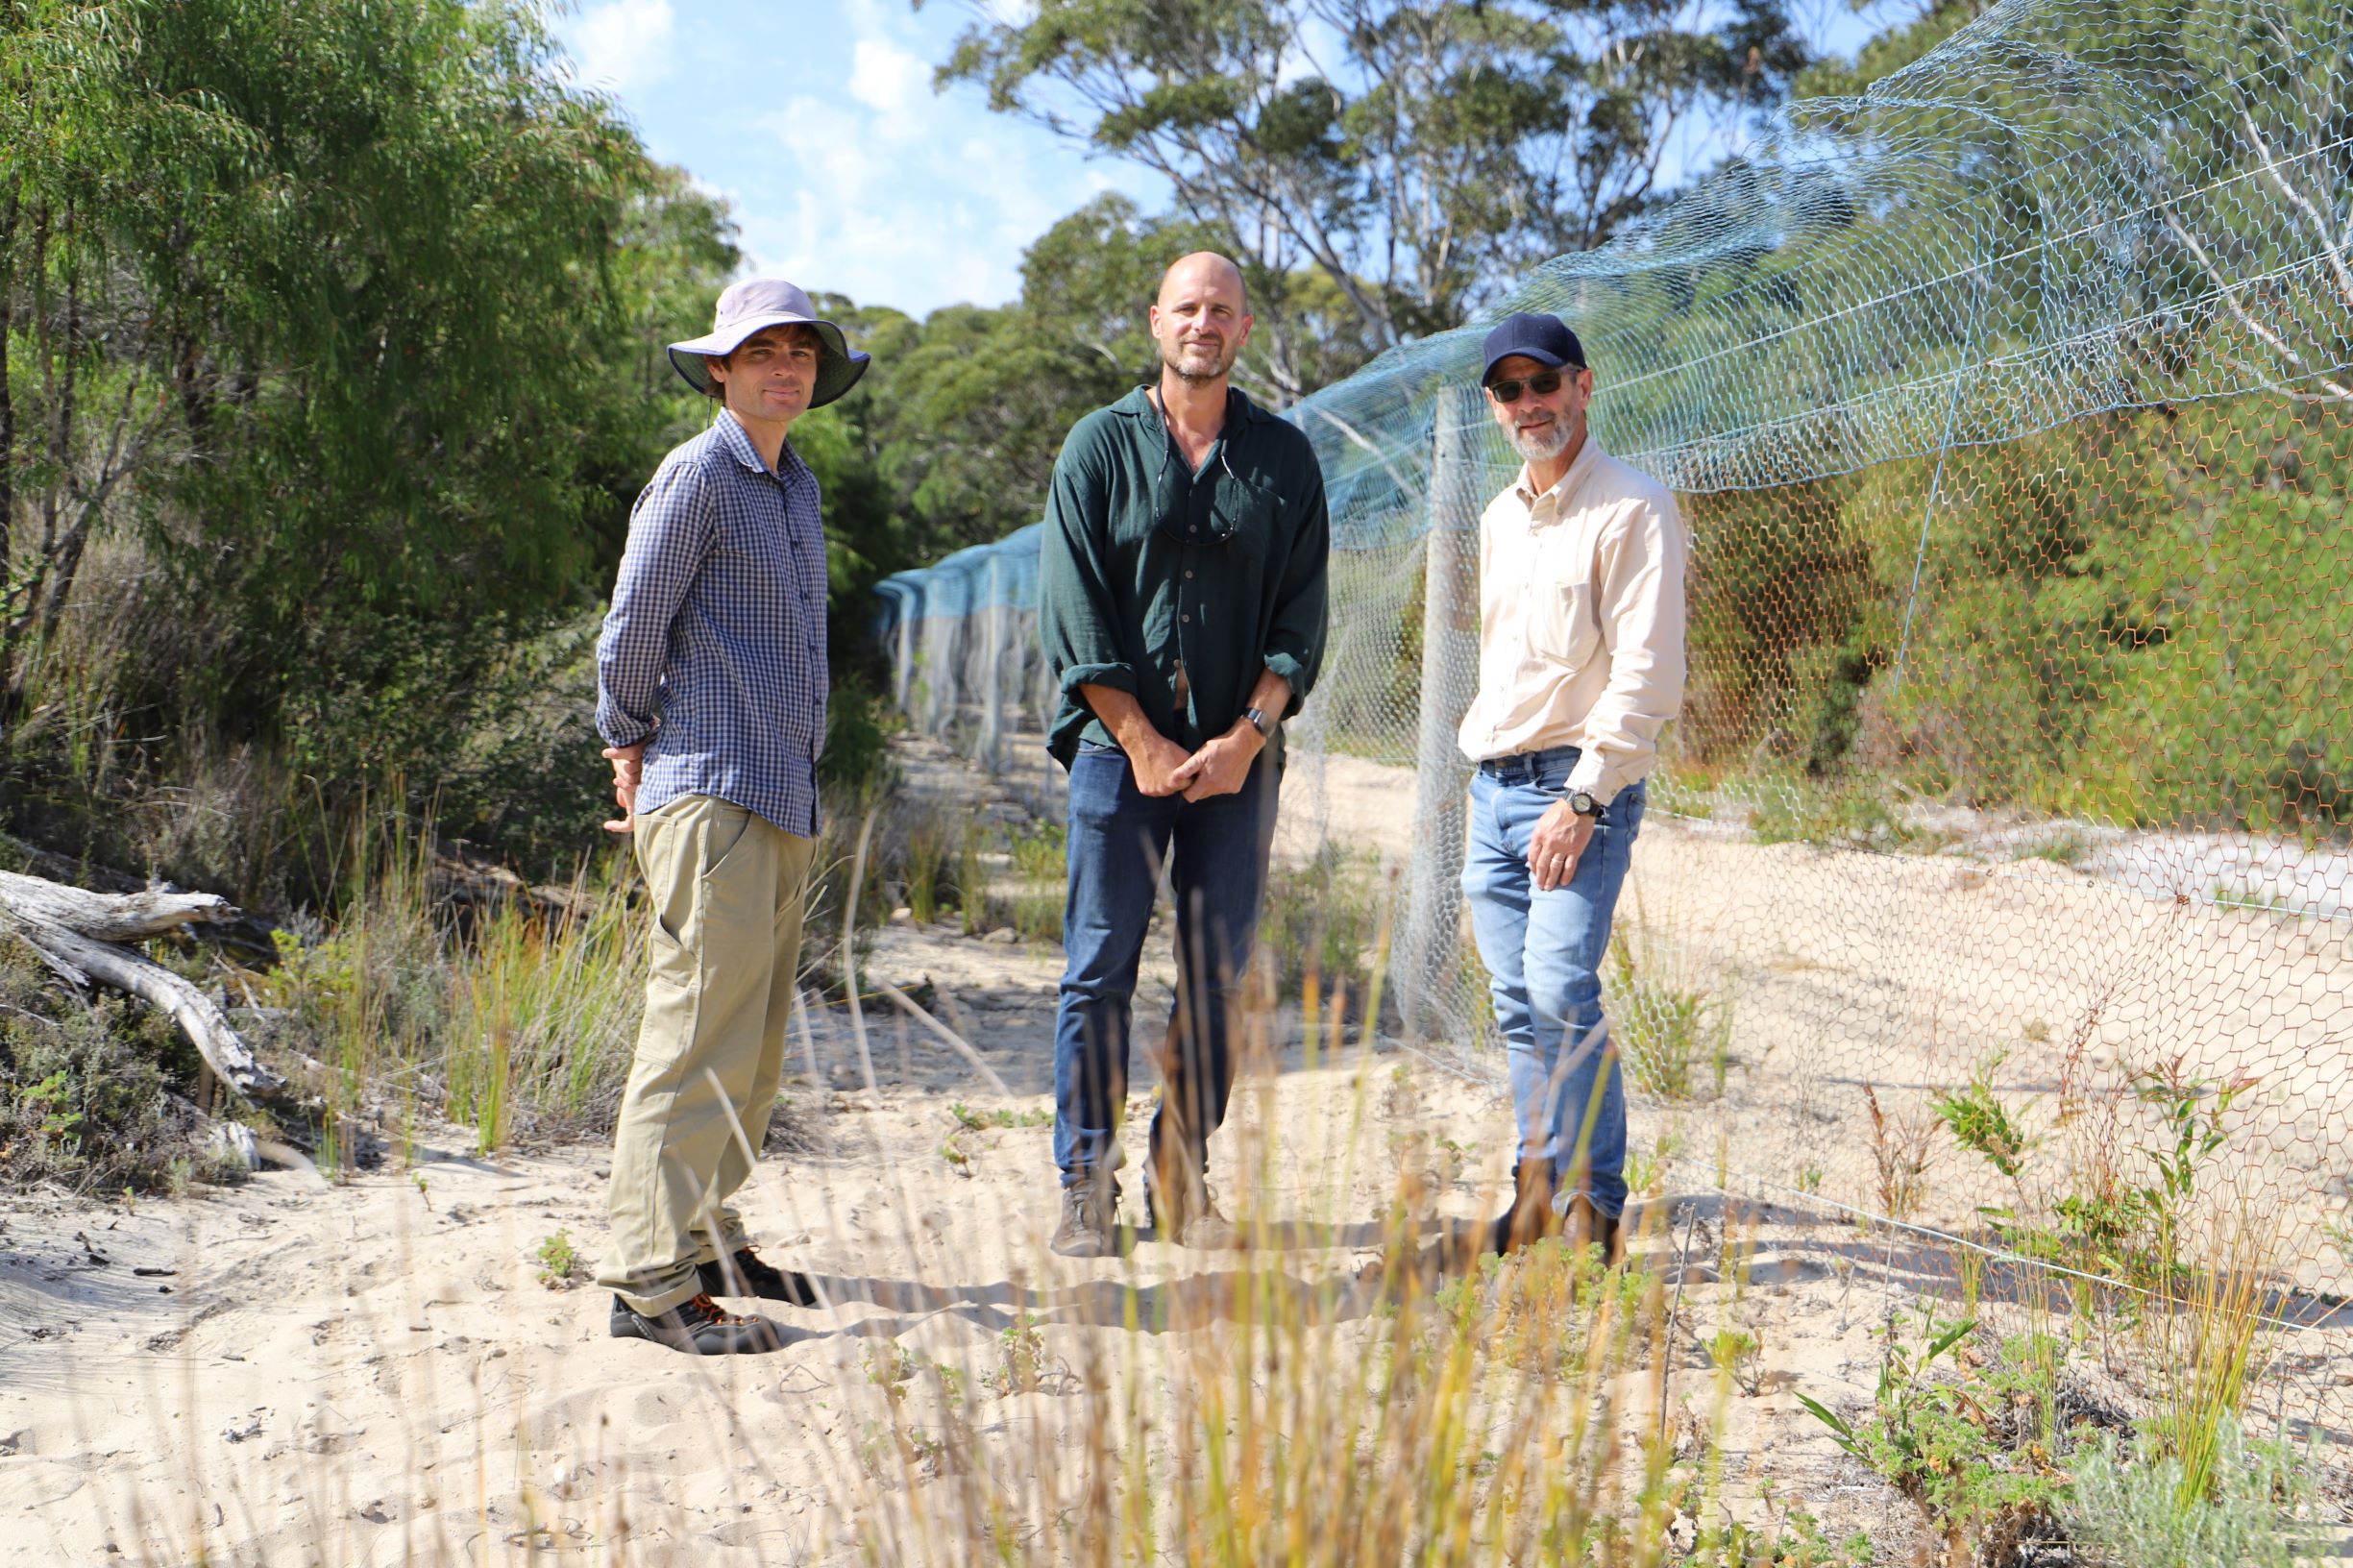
{"x":1021,"y":1352}
{"x":1838,"y":817}
{"x":1982,"y":1124}
{"x":1646,"y":1173}
{"x":1809,"y":1178}
{"x":558,"y":1260}
{"x":971,"y":883}
{"x":1900,"y":1153}
{"x":924,"y":857}
{"x":958,"y":1157}
{"x":50,"y":1100}
{"x":890,"y":1367}
{"x":1041,"y":869}
{"x":1733,"y":1353}
{"x":975,"y":1121}
{"x":1982,"y":1479}
{"x":2190,"y":1110}
{"x":1672,"y":1036}
{"x":1321,"y":921}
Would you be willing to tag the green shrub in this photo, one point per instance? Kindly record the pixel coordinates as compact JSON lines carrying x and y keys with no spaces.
{"x":1320,"y":921}
{"x":95,"y":1097}
{"x":2126,"y":1510}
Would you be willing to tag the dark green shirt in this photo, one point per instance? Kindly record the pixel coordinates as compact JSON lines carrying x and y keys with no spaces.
{"x":1147,"y":565}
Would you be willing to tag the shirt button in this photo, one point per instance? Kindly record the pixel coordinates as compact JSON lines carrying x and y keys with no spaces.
{"x":1189,"y":577}
{"x":1184,"y":620}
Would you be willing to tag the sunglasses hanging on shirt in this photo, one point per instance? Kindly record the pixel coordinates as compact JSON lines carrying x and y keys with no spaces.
{"x":1185,"y":507}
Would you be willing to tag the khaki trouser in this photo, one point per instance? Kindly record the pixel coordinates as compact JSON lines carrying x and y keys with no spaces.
{"x":727,"y":885}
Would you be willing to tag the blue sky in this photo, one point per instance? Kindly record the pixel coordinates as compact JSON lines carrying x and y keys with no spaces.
{"x":816,"y":118}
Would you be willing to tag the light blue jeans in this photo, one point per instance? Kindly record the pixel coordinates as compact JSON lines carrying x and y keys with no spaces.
{"x":1544,"y":952}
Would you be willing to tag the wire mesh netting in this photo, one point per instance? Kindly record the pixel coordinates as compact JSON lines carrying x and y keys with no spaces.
{"x":1999,"y":864}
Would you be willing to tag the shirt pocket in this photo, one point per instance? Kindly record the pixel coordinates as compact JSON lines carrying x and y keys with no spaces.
{"x":1562,"y":625}
{"x":1244,"y":512}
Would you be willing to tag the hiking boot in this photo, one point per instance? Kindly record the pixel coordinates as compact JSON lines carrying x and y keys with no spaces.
{"x":1588,"y":1226}
{"x":746,"y":1273}
{"x":1197,"y":1225}
{"x":1530,"y":1216}
{"x":698,"y":1326}
{"x":1090,"y":1220}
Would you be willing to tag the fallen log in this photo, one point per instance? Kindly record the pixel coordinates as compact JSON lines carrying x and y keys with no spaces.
{"x":75,"y":931}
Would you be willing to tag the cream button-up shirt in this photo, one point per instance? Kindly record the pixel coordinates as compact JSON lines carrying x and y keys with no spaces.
{"x":1580,"y":620}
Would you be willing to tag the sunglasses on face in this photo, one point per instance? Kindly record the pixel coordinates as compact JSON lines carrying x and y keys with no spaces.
{"x":1544,"y":384}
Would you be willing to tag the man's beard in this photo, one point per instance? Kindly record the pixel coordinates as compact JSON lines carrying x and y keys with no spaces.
{"x":1199,"y":377}
{"x":1543,"y":443}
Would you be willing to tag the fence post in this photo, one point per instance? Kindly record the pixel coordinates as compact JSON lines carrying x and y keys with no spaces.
{"x":1450,"y":677}
{"x":902,"y":654}
{"x":993,"y":668}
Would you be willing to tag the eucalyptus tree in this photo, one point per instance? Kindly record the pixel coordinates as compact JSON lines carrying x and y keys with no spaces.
{"x":1410,"y":155}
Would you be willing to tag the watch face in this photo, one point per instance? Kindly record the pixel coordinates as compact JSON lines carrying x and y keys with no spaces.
{"x":1583,"y":804}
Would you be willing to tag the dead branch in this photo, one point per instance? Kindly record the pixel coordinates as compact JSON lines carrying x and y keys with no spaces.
{"x":75,"y":931}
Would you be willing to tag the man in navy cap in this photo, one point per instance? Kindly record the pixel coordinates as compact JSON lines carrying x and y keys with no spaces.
{"x":1581,"y":664}
{"x":711,"y":686}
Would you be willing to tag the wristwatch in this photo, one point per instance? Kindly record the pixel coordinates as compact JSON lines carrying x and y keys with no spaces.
{"x":1259,"y":720}
{"x":1583,"y":803}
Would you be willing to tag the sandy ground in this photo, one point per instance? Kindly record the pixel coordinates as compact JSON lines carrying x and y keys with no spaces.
{"x":373,"y":1372}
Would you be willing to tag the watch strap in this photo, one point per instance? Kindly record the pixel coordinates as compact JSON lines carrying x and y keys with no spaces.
{"x":1259,"y":720}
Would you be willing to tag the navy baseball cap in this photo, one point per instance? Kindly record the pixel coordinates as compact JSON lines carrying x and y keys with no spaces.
{"x":1544,"y":339}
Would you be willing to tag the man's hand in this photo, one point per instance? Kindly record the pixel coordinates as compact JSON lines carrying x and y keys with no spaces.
{"x":1223,"y":765}
{"x":1559,"y":838}
{"x":1159,"y":764}
{"x":626,"y":761}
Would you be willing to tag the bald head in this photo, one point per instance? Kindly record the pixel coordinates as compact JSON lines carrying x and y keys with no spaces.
{"x":1203,"y":269}
{"x":1201,"y":319}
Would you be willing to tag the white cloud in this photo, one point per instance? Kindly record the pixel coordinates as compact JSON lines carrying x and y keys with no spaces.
{"x":624,"y":44}
{"x":869,"y":185}
{"x":886,"y":77}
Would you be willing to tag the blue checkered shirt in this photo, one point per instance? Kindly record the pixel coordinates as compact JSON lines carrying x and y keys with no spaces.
{"x":714,"y":651}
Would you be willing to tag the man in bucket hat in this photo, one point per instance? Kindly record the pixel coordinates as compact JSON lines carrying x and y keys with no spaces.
{"x":711,"y":696}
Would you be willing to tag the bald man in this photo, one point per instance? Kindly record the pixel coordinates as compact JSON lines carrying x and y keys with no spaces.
{"x":1182,"y":603}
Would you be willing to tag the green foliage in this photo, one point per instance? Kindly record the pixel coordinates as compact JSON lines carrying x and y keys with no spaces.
{"x":2086,"y":595}
{"x":1040,"y":870}
{"x":1975,"y":1453}
{"x":998,"y":1116}
{"x":2263,"y":1511}
{"x":558,"y":1260}
{"x":95,"y":1097}
{"x":1674,"y":1035}
{"x":1320,"y":921}
{"x":1446,"y":147}
{"x":1982,"y":1124}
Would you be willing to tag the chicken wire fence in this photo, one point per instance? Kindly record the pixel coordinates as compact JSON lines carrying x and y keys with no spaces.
{"x":1998,"y":862}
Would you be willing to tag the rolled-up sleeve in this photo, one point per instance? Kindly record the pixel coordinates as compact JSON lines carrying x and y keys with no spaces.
{"x":1077,"y":619}
{"x":672,"y":529}
{"x":1639,"y":602}
{"x":1302,"y":613}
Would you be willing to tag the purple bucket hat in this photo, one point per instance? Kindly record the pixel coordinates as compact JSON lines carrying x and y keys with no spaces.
{"x":744,"y":309}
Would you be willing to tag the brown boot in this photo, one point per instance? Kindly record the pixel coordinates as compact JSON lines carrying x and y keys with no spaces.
{"x":1530,"y":1216}
{"x":1587,"y":1225}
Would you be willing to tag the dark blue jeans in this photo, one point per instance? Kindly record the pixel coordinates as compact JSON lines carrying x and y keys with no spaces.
{"x":1216,"y":851}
